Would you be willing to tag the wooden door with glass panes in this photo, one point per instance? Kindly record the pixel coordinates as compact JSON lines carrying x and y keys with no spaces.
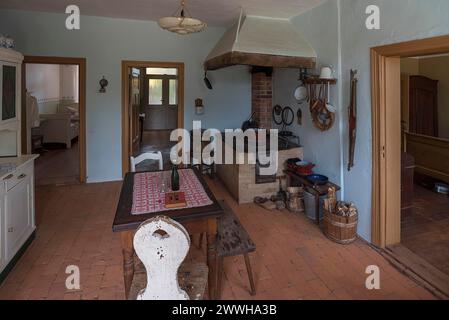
{"x":161,"y":98}
{"x":134,"y":97}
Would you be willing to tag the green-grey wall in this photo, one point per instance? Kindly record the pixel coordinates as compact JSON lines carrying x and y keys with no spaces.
{"x":105,"y":42}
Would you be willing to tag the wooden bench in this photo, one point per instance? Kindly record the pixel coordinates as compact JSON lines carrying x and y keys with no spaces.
{"x":233,"y":240}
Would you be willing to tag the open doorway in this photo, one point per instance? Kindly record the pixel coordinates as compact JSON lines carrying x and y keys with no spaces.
{"x":152,"y":107}
{"x":407,"y":151}
{"x":54,"y":118}
{"x":425,"y":158}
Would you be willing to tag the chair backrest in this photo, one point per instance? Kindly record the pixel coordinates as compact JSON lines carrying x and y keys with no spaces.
{"x":181,"y":152}
{"x":162,"y":245}
{"x":146,"y":156}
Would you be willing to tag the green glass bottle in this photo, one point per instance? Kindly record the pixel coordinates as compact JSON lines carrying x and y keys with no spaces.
{"x":175,"y":178}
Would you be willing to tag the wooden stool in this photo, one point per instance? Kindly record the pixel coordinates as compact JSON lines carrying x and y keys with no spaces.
{"x":233,"y":240}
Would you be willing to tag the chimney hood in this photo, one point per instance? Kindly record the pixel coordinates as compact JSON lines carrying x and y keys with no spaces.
{"x":262,"y":42}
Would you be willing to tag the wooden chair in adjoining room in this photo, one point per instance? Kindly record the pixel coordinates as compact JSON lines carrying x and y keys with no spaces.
{"x":147,"y":156}
{"x":162,"y":245}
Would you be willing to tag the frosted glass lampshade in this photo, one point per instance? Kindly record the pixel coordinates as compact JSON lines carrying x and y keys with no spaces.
{"x":182,"y":25}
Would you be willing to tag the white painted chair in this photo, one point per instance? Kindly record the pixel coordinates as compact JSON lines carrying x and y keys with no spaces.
{"x":147,"y":156}
{"x":162,"y":245}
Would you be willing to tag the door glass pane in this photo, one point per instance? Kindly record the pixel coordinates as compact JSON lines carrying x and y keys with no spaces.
{"x":173,"y":91}
{"x":155,"y":92}
{"x":162,"y":71}
{"x":9,"y":93}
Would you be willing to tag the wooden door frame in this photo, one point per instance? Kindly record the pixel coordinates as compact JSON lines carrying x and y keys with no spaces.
{"x":386,"y":133}
{"x":126,"y":64}
{"x":81,"y":63}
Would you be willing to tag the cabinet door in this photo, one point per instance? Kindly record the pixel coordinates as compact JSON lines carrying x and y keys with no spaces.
{"x":2,"y":232}
{"x":17,"y":217}
{"x":9,"y":91}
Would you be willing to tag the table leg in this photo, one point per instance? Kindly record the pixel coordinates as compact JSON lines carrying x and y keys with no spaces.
{"x":212,"y":258}
{"x":317,"y":209}
{"x":128,"y":259}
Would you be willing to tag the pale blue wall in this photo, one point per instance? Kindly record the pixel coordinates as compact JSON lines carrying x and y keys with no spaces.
{"x":321,"y":148}
{"x":105,"y":42}
{"x":401,"y":20}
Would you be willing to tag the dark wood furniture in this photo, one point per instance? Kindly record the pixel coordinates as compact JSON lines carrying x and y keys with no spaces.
{"x":195,"y":220}
{"x":423,"y":106}
{"x":317,"y":190}
{"x":233,"y":240}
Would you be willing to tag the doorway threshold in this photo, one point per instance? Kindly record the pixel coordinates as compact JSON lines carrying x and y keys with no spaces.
{"x":418,"y":269}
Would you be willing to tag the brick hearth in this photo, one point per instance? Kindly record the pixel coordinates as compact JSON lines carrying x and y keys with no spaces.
{"x":262,"y":96}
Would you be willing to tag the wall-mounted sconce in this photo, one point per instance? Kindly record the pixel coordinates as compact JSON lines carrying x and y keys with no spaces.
{"x":199,"y":106}
{"x":103,"y":83}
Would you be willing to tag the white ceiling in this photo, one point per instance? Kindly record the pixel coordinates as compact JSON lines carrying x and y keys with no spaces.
{"x":214,"y":12}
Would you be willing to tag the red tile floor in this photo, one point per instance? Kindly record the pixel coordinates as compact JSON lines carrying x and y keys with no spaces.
{"x":293,"y":259}
{"x":58,"y":165}
{"x":425,"y":230}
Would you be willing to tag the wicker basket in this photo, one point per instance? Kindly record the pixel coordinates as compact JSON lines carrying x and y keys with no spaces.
{"x":342,"y":230}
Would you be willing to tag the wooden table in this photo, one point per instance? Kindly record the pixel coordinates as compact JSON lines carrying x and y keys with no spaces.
{"x":317,"y":190}
{"x":195,"y":220}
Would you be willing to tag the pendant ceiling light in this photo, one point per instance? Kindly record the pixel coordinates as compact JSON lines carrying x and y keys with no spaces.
{"x":181,"y":22}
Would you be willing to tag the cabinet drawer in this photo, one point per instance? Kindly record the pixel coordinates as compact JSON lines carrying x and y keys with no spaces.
{"x":18,"y":176}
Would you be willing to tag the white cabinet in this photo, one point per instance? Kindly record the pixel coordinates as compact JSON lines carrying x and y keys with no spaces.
{"x":10,"y":102}
{"x":17,"y":221}
{"x":2,"y":223}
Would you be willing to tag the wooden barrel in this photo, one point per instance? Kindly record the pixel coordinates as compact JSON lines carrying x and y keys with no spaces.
{"x":342,"y":230}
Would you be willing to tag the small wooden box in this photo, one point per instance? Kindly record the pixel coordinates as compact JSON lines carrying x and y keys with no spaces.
{"x":175,"y":200}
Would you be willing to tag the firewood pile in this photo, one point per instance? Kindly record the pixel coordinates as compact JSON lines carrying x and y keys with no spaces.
{"x":339,"y":208}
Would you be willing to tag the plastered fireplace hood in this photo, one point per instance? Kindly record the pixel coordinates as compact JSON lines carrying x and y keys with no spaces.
{"x":263,"y":42}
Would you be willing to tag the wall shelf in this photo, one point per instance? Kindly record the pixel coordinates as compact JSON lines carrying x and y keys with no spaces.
{"x":316,"y":80}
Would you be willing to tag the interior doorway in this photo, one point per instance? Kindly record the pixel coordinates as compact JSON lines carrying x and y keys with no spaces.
{"x":53,"y":118}
{"x":406,"y":130}
{"x":425,"y":158}
{"x":153,"y":106}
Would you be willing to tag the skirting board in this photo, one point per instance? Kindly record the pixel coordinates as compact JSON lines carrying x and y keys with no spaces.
{"x":16,"y":258}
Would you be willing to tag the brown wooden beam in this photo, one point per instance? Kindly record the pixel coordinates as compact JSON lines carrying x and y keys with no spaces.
{"x":260,"y":60}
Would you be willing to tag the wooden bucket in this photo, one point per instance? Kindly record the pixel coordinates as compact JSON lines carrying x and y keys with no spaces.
{"x":342,"y":230}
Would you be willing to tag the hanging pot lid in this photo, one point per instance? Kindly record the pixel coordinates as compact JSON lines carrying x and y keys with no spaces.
{"x":301,"y":93}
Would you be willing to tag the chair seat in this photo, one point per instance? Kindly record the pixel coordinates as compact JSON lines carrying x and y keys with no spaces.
{"x":192,"y":277}
{"x":232,"y":237}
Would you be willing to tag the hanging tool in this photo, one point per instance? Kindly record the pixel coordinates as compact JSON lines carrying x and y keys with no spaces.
{"x":352,"y":111}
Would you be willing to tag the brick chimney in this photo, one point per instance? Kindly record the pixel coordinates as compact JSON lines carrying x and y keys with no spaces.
{"x":262,"y":96}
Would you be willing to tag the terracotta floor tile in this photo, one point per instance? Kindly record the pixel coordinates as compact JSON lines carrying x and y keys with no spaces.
{"x":424,"y":229}
{"x":293,"y":260}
